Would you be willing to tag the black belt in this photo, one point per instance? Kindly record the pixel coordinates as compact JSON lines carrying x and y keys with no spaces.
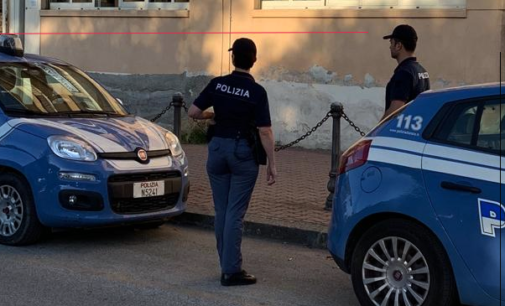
{"x":231,"y":133}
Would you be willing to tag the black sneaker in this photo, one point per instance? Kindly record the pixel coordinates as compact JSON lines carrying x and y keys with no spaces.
{"x":237,"y":279}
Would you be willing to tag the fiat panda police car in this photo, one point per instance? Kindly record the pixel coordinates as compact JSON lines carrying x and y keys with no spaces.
{"x":72,"y":156}
{"x":417,"y":214}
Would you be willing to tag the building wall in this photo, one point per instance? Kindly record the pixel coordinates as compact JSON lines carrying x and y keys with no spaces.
{"x":303,"y":73}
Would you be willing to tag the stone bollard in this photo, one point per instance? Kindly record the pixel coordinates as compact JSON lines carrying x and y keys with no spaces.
{"x":336,"y":113}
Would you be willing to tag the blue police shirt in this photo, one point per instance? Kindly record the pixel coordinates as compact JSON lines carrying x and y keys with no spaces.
{"x":408,"y":81}
{"x":239,"y":103}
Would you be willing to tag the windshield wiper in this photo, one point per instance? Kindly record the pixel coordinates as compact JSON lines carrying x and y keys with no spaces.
{"x":28,"y":112}
{"x":89,"y":112}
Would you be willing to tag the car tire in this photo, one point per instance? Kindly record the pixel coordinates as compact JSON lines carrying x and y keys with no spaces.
{"x":418,"y":270}
{"x":19,"y":223}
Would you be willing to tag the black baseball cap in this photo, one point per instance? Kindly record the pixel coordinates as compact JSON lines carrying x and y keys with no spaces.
{"x":243,"y":46}
{"x":403,"y":32}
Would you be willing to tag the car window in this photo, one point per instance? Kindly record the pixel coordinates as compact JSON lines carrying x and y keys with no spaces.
{"x":462,"y":129}
{"x":477,"y":125}
{"x":45,"y":88}
{"x":490,"y":133}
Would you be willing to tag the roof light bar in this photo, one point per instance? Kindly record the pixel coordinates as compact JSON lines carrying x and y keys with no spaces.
{"x":11,"y":45}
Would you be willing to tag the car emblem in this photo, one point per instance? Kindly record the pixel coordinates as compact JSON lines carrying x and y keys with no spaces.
{"x":398,"y":276}
{"x":142,"y":155}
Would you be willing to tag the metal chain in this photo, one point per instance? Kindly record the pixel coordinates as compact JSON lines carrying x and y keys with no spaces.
{"x":162,"y":112}
{"x":312,"y":130}
{"x":352,"y":124}
{"x":318,"y":125}
{"x":194,"y":120}
{"x":185,"y":107}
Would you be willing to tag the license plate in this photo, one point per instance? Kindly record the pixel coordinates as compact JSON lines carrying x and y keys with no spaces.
{"x":148,"y":189}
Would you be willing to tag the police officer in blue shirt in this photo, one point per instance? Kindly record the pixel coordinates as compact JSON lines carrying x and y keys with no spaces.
{"x":409,"y":78}
{"x":240,"y":107}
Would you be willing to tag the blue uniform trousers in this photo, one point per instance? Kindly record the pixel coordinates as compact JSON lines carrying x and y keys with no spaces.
{"x":232,"y":173}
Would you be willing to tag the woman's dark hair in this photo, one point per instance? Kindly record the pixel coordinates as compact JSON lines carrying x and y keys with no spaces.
{"x":244,"y":53}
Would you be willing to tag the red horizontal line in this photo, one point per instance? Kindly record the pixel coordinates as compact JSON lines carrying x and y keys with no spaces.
{"x":176,"y":33}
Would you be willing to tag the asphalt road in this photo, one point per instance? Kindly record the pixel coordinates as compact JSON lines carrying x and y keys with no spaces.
{"x":172,"y":265}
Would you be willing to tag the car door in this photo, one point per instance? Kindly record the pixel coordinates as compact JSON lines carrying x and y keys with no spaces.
{"x":464,"y":177}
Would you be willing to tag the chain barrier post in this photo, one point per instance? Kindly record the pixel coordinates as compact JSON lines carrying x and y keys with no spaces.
{"x":336,"y":111}
{"x":177,"y":102}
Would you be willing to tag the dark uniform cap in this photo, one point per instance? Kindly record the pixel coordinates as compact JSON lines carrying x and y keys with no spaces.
{"x":403,"y":32}
{"x":243,"y":46}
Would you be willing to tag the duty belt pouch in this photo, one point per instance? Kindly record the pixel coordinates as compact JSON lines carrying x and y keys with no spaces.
{"x":260,"y":156}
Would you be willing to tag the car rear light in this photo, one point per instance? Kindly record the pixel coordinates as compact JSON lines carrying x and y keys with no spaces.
{"x":355,"y":156}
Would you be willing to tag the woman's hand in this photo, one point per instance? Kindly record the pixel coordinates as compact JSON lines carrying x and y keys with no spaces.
{"x":271,"y":174}
{"x":267,"y":140}
{"x":196,"y":113}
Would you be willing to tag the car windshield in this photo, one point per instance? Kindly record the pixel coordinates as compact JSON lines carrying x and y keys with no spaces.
{"x":52,"y":89}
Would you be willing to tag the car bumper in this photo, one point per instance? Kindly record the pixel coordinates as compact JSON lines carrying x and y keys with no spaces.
{"x":338,"y":231}
{"x":108,"y":199}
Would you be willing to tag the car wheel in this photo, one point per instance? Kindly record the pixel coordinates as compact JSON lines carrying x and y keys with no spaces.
{"x":19,"y":224}
{"x":397,"y":262}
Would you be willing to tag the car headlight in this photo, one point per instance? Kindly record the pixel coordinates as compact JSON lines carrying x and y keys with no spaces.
{"x":71,"y":148}
{"x":174,"y":145}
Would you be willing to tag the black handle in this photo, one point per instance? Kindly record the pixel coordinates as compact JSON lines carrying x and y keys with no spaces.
{"x":459,"y":187}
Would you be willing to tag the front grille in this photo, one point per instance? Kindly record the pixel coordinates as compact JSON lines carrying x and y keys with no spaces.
{"x":121,"y":192}
{"x":144,"y":205}
{"x":133,"y":155}
{"x":141,"y":177}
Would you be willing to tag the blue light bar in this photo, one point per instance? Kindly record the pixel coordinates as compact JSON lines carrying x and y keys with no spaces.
{"x":11,"y":45}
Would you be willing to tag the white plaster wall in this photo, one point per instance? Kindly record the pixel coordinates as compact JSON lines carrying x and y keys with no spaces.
{"x":296,"y":107}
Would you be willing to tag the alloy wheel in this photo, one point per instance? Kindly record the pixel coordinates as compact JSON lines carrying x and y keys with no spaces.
{"x":11,"y":211}
{"x":395,"y":273}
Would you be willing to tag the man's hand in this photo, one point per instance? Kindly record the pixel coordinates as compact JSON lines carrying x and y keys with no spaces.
{"x":395,"y":104}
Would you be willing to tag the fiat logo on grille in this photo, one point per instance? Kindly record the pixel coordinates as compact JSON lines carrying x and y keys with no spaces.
{"x":142,"y":155}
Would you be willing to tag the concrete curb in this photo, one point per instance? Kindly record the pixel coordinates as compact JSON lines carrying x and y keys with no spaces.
{"x":310,"y":238}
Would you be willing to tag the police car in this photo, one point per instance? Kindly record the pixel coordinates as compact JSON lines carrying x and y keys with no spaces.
{"x":417,"y":215}
{"x":71,"y":155}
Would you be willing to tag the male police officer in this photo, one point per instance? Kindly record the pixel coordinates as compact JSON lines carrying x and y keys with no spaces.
{"x":409,"y":78}
{"x":241,"y":108}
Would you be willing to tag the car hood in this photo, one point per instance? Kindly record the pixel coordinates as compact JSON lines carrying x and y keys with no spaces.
{"x":122,"y":134}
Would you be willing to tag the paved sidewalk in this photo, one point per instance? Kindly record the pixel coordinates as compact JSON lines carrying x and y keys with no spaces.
{"x":292,"y":209}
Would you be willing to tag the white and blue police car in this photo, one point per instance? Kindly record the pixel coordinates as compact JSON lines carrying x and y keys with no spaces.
{"x":417,"y":215}
{"x":71,"y":156}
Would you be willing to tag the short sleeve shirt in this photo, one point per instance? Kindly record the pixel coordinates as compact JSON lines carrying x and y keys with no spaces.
{"x":238,"y":101}
{"x":408,"y":81}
